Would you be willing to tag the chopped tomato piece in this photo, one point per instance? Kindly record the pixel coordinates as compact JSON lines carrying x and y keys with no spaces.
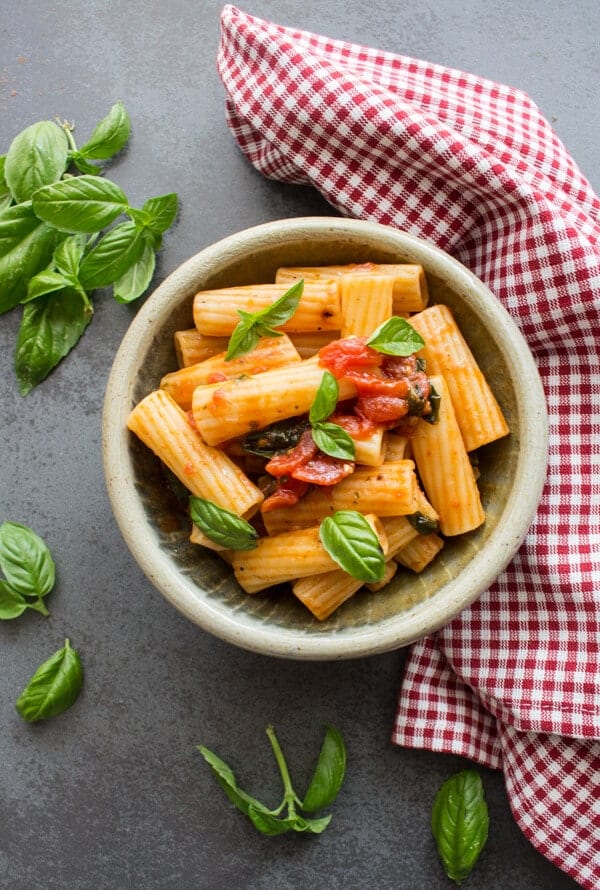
{"x":340,"y":356}
{"x":286,"y":494}
{"x":324,"y":470}
{"x":357,"y":427}
{"x":285,"y":464}
{"x":373,"y":384}
{"x":382,"y":408}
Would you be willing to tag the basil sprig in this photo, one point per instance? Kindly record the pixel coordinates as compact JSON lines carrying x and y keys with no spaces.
{"x":55,"y":247}
{"x":396,"y":337}
{"x":254,"y":325}
{"x":459,"y":822}
{"x":351,"y":542}
{"x":222,"y":526}
{"x":53,"y":688}
{"x":330,"y":437}
{"x":28,"y":569}
{"x":323,"y":788}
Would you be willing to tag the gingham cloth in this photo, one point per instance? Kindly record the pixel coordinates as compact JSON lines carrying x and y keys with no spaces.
{"x":514,"y":681}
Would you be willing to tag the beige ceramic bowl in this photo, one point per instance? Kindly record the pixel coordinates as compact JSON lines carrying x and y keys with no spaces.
{"x":199,"y":584}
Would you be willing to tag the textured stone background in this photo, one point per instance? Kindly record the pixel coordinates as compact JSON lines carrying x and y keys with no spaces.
{"x":112,"y":794}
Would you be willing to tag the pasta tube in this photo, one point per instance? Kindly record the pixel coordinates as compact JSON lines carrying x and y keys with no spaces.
{"x":308,"y":343}
{"x":366,"y":302}
{"x":207,"y":472}
{"x":270,"y":352}
{"x":445,"y":470}
{"x":215,"y":311}
{"x":191,"y":346}
{"x":227,"y":410}
{"x":288,"y":556}
{"x":388,"y":490}
{"x":446,"y":352}
{"x":325,"y":593}
{"x":410,"y":285}
{"x":417,"y":554}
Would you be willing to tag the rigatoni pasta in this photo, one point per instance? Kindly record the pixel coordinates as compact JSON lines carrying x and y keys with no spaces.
{"x":244,"y":428}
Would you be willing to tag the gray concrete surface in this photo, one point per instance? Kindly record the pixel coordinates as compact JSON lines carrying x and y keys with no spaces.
{"x":112,"y":794}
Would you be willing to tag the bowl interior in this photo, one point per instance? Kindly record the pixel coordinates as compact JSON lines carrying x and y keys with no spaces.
{"x":201,"y":585}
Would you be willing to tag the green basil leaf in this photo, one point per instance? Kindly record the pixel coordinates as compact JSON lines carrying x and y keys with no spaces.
{"x":334,"y":441}
{"x":83,"y":165}
{"x":81,"y":204}
{"x":459,"y":822}
{"x":329,"y":773}
{"x":325,"y":399}
{"x":44,"y":283}
{"x":435,"y":401}
{"x":109,"y":136}
{"x":351,"y":542}
{"x":12,"y":604}
{"x":49,"y":329}
{"x":25,"y":560}
{"x":36,"y":157}
{"x":161,"y":211}
{"x":53,"y":688}
{"x":222,"y":526}
{"x":68,"y":256}
{"x":282,"y":309}
{"x":316,"y":826}
{"x":5,"y":193}
{"x":243,"y":339}
{"x":228,"y":783}
{"x":115,"y":253}
{"x":396,"y":337}
{"x":253,"y":325}
{"x":137,"y":278}
{"x":271,"y":825}
{"x":26,"y":247}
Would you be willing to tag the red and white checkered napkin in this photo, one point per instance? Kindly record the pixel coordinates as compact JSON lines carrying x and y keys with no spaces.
{"x":514,"y":681}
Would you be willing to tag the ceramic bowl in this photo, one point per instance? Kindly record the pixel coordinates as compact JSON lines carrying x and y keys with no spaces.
{"x":201,"y":585}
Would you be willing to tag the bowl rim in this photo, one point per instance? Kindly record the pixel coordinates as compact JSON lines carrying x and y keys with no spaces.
{"x":395,"y":631}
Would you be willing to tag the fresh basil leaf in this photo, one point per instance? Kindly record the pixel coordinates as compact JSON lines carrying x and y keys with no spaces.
{"x":282,"y":309}
{"x":115,"y":253}
{"x":68,"y":256}
{"x":253,"y":325}
{"x":222,"y":526}
{"x":5,"y":194}
{"x":25,"y":560}
{"x":12,"y":604}
{"x":272,"y":826}
{"x":315,"y":826}
{"x":396,"y":337}
{"x":334,"y":441}
{"x":26,"y":247}
{"x":228,"y":783}
{"x":161,"y":211}
{"x":351,"y":542}
{"x":36,"y":157}
{"x":325,"y":399}
{"x":44,"y":283}
{"x":109,"y":136}
{"x":137,"y":278}
{"x":243,"y":339}
{"x":53,"y":688}
{"x":49,"y":329}
{"x":329,"y":773}
{"x":81,"y":204}
{"x":459,"y":822}
{"x":83,"y":165}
